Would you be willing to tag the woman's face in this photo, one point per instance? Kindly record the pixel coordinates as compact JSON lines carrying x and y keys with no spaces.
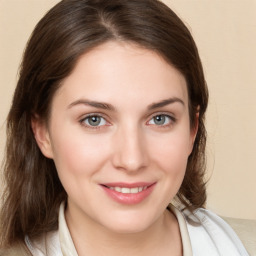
{"x":119,"y":134}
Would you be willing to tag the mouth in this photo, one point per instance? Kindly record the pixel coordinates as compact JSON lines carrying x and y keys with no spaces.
{"x":128,"y":193}
{"x":125,"y":190}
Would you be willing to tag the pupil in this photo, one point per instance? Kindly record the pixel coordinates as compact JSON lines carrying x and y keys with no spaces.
{"x":160,"y":120}
{"x":94,"y":120}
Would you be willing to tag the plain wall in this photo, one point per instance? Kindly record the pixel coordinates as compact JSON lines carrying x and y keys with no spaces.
{"x":225,"y":32}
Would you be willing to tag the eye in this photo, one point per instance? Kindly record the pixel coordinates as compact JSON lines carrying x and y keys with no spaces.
{"x":94,"y":121}
{"x":161,"y":120}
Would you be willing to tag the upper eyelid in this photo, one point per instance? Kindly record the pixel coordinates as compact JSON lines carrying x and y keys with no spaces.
{"x":171,"y":122}
{"x":82,"y":117}
{"x":171,"y":115}
{"x":82,"y":121}
{"x":108,"y":119}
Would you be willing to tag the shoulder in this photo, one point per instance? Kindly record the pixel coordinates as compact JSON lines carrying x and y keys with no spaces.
{"x":17,"y":249}
{"x":46,"y":244}
{"x":209,"y":232}
{"x":246,"y":230}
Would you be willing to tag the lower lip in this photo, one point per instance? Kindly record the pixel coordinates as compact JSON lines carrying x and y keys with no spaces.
{"x":129,"y":198}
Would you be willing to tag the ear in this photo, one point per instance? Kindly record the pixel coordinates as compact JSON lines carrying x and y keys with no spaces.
{"x":194,"y":130}
{"x":42,"y":137}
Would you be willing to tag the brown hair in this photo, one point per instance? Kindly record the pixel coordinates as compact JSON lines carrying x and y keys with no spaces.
{"x":33,"y":191}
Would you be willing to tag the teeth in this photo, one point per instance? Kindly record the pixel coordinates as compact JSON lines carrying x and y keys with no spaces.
{"x":134,"y":190}
{"x":117,"y":189}
{"x":128,"y":190}
{"x":125,"y":190}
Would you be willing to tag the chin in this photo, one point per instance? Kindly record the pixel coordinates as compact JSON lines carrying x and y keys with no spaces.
{"x":129,"y":223}
{"x":128,"y":228}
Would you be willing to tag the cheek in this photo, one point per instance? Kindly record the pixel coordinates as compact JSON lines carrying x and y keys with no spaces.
{"x":77,"y":160}
{"x":77,"y":155}
{"x":171,"y":156}
{"x":172,"y":149}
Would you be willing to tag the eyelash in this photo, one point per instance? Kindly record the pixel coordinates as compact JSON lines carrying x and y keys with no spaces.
{"x":83,"y":120}
{"x":172,"y":120}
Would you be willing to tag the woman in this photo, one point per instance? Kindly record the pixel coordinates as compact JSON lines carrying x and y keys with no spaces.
{"x":105,"y":130}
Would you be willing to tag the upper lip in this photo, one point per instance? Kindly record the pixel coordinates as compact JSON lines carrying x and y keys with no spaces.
{"x":128,"y":185}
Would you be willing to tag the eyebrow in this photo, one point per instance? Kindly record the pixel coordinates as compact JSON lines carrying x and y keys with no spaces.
{"x":107,"y":106}
{"x":165,"y":102}
{"x":95,"y":104}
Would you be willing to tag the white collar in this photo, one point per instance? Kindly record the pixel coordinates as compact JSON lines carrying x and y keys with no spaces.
{"x":60,"y":243}
{"x":203,"y":233}
{"x":66,"y":242}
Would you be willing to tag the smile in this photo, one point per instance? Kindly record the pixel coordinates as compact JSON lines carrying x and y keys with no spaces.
{"x":128,"y":190}
{"x":124,"y":193}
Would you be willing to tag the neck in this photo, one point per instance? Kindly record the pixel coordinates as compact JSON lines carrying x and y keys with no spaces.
{"x":91,"y":238}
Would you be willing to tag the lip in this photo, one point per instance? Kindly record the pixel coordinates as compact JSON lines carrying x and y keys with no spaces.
{"x":129,"y":198}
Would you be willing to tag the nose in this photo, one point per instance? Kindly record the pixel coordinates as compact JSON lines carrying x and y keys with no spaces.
{"x":130,"y":152}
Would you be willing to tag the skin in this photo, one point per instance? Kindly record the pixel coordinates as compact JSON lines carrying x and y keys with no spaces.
{"x":127,"y":145}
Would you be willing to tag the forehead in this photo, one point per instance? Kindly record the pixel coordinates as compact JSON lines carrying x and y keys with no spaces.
{"x":125,"y":71}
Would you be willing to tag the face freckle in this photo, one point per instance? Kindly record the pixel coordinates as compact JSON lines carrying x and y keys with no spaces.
{"x":120,"y":136}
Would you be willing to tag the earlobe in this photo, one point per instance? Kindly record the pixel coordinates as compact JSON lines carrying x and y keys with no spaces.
{"x":42,"y":137}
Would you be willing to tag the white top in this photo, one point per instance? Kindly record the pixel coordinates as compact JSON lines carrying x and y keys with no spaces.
{"x":203,"y":233}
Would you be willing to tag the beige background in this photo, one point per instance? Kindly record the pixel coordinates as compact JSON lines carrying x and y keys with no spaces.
{"x":225,"y":32}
